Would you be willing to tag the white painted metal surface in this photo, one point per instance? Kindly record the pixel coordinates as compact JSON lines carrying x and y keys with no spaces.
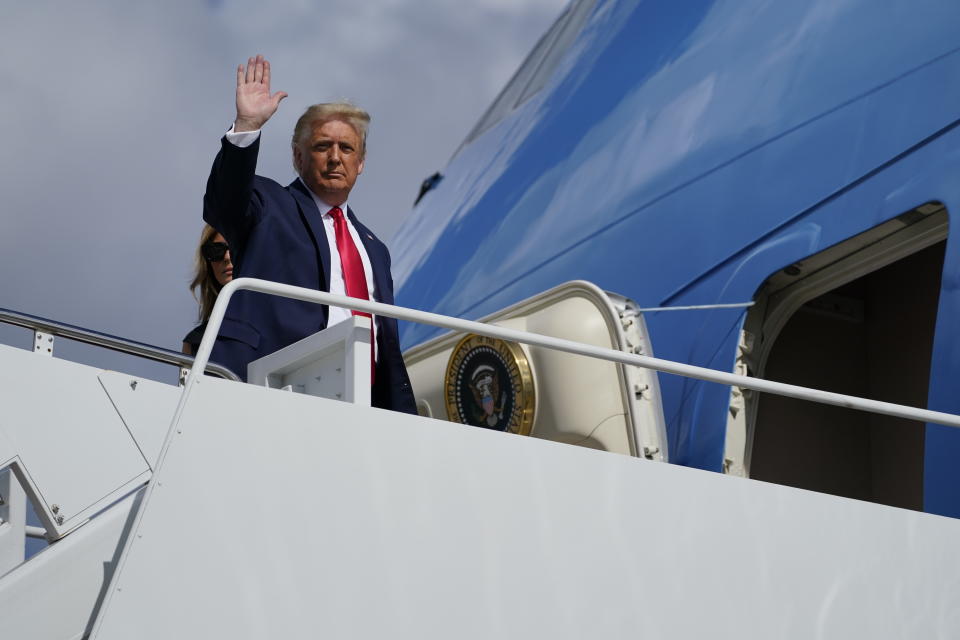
{"x":643,"y":385}
{"x":333,"y":363}
{"x":77,"y":430}
{"x":735,"y":442}
{"x":64,"y":439}
{"x":145,"y":406}
{"x":414,"y":528}
{"x":13,"y":520}
{"x":43,"y":343}
{"x":32,"y":531}
{"x":55,"y":595}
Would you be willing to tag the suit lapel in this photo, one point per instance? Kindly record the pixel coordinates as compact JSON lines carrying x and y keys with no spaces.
{"x":310,"y":213}
{"x":378,"y":261}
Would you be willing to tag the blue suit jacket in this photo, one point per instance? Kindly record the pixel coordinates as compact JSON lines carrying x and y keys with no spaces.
{"x":276,"y":233}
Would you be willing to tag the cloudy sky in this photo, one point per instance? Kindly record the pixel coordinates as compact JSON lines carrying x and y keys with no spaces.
{"x":113,"y":112}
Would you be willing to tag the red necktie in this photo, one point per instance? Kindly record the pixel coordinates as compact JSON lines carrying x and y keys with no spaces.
{"x":354,"y":278}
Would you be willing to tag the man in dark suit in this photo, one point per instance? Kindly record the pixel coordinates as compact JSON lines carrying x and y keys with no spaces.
{"x":303,"y":234}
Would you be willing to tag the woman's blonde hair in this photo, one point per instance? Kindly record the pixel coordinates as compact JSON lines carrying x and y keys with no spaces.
{"x":204,"y":285}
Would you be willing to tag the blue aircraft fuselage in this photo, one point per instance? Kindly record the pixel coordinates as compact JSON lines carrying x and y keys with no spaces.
{"x":680,"y":154}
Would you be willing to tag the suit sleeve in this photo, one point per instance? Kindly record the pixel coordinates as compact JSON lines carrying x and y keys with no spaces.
{"x":231,"y":204}
{"x":398,"y":395}
{"x":389,"y":275}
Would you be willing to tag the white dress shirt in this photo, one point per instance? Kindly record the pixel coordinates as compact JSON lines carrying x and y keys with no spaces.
{"x":337,"y":283}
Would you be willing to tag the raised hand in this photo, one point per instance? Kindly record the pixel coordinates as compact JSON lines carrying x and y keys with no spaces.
{"x":255,"y":105}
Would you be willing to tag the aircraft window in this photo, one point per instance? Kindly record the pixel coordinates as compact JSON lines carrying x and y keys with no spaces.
{"x":538,"y":66}
{"x":857,"y":318}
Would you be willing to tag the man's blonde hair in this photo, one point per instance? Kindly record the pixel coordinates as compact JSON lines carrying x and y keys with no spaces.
{"x":325,"y":111}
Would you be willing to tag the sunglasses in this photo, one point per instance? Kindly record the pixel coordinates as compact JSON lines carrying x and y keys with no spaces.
{"x":214,"y":251}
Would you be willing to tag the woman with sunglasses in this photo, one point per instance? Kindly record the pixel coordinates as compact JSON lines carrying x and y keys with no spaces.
{"x":212,"y":269}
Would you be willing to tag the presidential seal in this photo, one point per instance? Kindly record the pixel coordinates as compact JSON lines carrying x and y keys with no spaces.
{"x":489,"y":384}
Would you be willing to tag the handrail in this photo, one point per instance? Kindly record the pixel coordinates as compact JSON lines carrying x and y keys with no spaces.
{"x":107,"y":341}
{"x":456,"y":324}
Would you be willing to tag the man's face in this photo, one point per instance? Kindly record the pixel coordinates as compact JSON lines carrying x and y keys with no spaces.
{"x":329,"y":160}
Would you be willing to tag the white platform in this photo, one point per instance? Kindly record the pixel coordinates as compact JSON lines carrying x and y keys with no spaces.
{"x":282,"y":515}
{"x":333,"y":363}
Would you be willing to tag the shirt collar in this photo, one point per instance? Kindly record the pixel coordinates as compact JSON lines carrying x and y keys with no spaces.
{"x":321,"y":205}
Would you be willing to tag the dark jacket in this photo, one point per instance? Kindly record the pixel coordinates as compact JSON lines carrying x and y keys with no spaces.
{"x":276,"y":233}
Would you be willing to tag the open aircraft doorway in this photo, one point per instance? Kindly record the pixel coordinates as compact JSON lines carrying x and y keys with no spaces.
{"x":857,"y":318}
{"x":553,"y":395}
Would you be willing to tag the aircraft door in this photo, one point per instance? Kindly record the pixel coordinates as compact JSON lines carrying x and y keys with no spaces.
{"x":546,"y":393}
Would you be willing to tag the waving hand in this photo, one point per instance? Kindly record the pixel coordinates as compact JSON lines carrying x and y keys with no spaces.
{"x":255,"y":105}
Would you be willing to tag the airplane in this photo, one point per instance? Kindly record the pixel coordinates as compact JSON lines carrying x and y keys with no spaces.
{"x":694,"y":260}
{"x":789,"y":170}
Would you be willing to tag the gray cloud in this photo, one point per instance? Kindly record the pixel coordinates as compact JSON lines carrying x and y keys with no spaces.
{"x":113,"y":112}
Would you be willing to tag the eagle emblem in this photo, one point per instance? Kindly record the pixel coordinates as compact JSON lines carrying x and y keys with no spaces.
{"x":489,"y":384}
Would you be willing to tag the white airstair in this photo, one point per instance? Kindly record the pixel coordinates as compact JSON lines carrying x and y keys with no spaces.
{"x":227,"y":510}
